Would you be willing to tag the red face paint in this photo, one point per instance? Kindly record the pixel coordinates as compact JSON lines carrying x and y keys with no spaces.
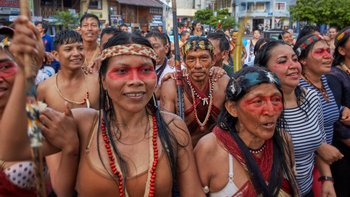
{"x":264,"y":104}
{"x":322,"y":52}
{"x":145,"y":72}
{"x":8,"y":69}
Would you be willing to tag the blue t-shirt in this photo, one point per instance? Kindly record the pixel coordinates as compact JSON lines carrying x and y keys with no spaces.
{"x":48,"y":43}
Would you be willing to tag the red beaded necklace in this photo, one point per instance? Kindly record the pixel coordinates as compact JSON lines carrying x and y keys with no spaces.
{"x":150,"y":188}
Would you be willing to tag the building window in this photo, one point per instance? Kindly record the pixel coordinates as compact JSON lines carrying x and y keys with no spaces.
{"x":243,"y":7}
{"x":260,"y":6}
{"x":280,"y":6}
{"x":155,"y":11}
{"x":95,"y":4}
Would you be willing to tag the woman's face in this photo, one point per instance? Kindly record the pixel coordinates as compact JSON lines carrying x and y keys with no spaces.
{"x":257,"y":112}
{"x":256,"y":34}
{"x":284,"y":63}
{"x":319,"y":59}
{"x":130,"y":81}
{"x":198,"y":26}
{"x":8,"y":69}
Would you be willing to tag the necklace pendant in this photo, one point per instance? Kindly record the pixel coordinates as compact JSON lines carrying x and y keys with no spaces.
{"x":205,"y":101}
{"x":202,"y":128}
{"x":87,"y":103}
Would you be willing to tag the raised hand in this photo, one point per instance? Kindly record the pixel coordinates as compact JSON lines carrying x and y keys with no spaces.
{"x":60,"y":129}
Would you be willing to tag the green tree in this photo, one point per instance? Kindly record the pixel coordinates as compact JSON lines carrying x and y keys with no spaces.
{"x":203,"y":16}
{"x":206,"y":16}
{"x":67,"y":19}
{"x":332,"y":12}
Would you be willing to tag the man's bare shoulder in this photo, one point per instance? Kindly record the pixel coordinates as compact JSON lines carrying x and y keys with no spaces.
{"x":178,"y":127}
{"x":46,"y":86}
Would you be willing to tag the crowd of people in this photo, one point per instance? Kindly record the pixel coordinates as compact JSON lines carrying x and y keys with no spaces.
{"x":280,"y":126}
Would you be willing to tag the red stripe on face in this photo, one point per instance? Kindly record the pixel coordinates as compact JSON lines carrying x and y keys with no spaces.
{"x":8,"y":69}
{"x":144,"y":72}
{"x":264,"y":105}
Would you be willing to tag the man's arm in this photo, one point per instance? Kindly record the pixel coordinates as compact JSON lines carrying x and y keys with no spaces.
{"x":168,"y":96}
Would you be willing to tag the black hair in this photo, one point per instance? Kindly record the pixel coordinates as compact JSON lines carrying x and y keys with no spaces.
{"x":157,"y":34}
{"x":184,"y":32}
{"x":110,"y":30}
{"x":260,"y":43}
{"x":167,"y":138}
{"x":279,"y":165}
{"x":44,"y":25}
{"x":89,"y":15}
{"x":339,"y":58}
{"x":123,"y":25}
{"x":66,"y":37}
{"x":307,"y":29}
{"x":280,"y":37}
{"x":257,"y":30}
{"x":224,"y":44}
{"x":261,"y":60}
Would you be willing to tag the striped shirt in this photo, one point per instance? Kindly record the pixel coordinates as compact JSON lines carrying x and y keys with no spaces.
{"x":330,"y":108}
{"x":305,"y":126}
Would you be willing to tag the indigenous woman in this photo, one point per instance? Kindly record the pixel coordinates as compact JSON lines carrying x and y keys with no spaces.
{"x":129,"y":148}
{"x":197,"y":29}
{"x":302,"y":112}
{"x":314,"y":55}
{"x":339,"y":82}
{"x":247,"y":154}
{"x":16,"y":178}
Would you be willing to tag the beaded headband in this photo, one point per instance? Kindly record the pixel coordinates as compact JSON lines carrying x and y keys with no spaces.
{"x":129,"y":49}
{"x":243,"y":83}
{"x":193,"y":44}
{"x":342,"y":34}
{"x":312,"y":39}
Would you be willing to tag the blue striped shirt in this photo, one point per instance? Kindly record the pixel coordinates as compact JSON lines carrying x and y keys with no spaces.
{"x":330,"y":108}
{"x":305,"y":126}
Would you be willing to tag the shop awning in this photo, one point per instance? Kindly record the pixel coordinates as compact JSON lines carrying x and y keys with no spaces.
{"x":145,"y":3}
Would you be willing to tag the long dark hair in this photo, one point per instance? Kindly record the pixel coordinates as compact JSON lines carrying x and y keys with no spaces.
{"x":234,"y":92}
{"x":340,"y":40}
{"x":264,"y":55}
{"x":167,"y":139}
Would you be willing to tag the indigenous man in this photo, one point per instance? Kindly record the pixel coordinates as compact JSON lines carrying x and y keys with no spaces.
{"x":203,"y":96}
{"x":70,"y":85}
{"x":160,"y":45}
{"x":221,"y":50}
{"x":90,"y":30}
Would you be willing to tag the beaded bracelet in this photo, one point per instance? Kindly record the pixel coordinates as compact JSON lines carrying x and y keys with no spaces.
{"x":326,"y":178}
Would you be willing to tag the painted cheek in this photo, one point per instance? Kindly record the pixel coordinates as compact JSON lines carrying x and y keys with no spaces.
{"x":8,"y":72}
{"x":131,"y":74}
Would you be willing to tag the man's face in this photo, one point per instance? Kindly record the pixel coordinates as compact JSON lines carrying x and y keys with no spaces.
{"x":198,"y":63}
{"x":70,"y":55}
{"x":40,"y":28}
{"x":89,"y":30}
{"x":218,"y":55}
{"x":332,"y":33}
{"x":124,"y":28}
{"x":160,"y":49}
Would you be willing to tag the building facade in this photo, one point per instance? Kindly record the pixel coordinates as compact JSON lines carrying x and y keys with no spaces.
{"x":263,"y":14}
